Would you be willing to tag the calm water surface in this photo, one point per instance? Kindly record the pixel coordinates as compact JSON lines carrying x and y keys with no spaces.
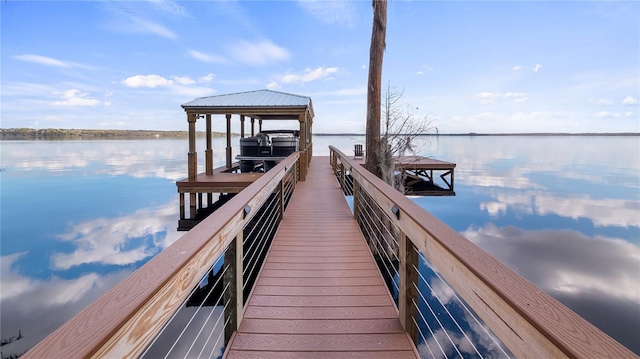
{"x":79,"y":216}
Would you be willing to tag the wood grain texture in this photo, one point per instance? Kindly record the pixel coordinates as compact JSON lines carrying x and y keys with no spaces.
{"x":335,"y":326}
{"x":530,"y":322}
{"x":319,"y":292}
{"x":320,"y":313}
{"x":323,"y":342}
{"x":248,"y":354}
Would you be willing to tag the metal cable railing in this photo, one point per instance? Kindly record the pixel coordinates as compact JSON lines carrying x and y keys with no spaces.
{"x":200,"y":328}
{"x":445,"y":326}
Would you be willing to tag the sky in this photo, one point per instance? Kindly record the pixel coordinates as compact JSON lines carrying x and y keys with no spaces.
{"x":466,"y":66}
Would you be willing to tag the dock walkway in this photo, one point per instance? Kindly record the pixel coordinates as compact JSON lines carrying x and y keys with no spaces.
{"x":320,"y":293}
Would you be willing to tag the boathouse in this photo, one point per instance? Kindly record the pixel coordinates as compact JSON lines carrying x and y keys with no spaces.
{"x":253,"y":106}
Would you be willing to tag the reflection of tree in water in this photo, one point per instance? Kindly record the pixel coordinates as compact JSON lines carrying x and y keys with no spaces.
{"x":5,"y":341}
{"x":207,"y":295}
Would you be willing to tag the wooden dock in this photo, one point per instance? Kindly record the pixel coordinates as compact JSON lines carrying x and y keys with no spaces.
{"x":320,"y":293}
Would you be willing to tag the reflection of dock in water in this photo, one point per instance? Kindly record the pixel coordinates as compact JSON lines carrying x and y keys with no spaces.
{"x":285,"y":269}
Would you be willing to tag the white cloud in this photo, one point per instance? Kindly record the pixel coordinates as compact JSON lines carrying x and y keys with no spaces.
{"x":145,"y":26}
{"x":604,"y":102}
{"x":629,"y":101}
{"x":537,"y":68}
{"x":309,"y":75}
{"x":170,"y":7}
{"x":628,"y":114}
{"x":206,"y":79}
{"x":330,"y":12}
{"x":259,"y":53}
{"x":273,"y":85}
{"x":516,"y":96}
{"x":42,"y":60}
{"x":490,"y":97}
{"x":517,"y":68}
{"x":487,"y":97}
{"x":152,"y":81}
{"x":183,"y":80}
{"x":208,"y":58}
{"x":48,"y":61}
{"x":419,"y":73}
{"x":606,"y":114}
{"x":74,"y":97}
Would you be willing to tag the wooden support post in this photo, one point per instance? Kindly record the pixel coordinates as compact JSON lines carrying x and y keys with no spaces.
{"x":208,"y":153}
{"x":408,"y":282}
{"x":253,"y":125}
{"x":181,"y":195}
{"x":200,"y":204}
{"x":192,"y":156}
{"x":241,"y":126}
{"x":192,"y":206}
{"x":228,"y":140}
{"x":452,"y":179}
{"x":233,"y":278}
{"x":303,"y":148}
{"x":209,"y":200}
{"x":260,"y":125}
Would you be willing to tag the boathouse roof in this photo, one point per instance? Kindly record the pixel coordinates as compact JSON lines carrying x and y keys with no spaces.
{"x":260,"y":103}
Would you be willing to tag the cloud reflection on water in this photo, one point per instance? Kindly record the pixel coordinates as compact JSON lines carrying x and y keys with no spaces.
{"x":108,"y":240}
{"x":37,"y":307}
{"x":576,"y":269}
{"x":601,"y":212}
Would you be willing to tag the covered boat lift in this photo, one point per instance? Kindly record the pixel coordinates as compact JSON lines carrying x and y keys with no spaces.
{"x":260,"y":105}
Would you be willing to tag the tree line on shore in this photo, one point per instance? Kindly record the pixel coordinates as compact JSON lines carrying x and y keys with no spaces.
{"x":60,"y":133}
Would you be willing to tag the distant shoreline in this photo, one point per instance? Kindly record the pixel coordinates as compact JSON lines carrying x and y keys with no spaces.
{"x":69,"y":134}
{"x":470,"y":134}
{"x":61,"y":134}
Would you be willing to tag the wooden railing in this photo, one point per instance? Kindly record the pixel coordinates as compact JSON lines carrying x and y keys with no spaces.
{"x":528,"y":321}
{"x":126,"y":319}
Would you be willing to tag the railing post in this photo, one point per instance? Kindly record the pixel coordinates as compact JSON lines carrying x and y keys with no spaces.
{"x":408,"y":281}
{"x":234,"y":295}
{"x":342,"y":176}
{"x":281,"y":198}
{"x":356,"y":200}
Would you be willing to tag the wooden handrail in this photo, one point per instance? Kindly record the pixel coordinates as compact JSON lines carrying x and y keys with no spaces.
{"x":529,"y":321}
{"x":125,"y":319}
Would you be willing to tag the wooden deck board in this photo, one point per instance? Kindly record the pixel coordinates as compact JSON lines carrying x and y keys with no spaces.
{"x":321,"y":355}
{"x":320,"y":293}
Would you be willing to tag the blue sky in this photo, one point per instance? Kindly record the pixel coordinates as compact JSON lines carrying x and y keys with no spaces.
{"x":469,"y":66}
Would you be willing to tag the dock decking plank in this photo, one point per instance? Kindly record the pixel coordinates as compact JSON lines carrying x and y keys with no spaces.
{"x":320,"y":293}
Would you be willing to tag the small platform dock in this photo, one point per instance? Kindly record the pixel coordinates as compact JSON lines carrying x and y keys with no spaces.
{"x":320,"y":293}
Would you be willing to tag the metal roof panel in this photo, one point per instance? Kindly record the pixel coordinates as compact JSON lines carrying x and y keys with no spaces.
{"x":258,"y":98}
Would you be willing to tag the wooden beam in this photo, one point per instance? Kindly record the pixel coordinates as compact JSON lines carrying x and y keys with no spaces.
{"x":253,"y":125}
{"x":208,"y":153}
{"x":192,"y":156}
{"x":229,"y":155}
{"x":241,"y":126}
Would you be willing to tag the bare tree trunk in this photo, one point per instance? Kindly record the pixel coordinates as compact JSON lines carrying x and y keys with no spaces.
{"x":374,"y":92}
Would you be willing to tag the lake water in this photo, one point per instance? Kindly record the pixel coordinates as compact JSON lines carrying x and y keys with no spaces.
{"x":79,"y":216}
